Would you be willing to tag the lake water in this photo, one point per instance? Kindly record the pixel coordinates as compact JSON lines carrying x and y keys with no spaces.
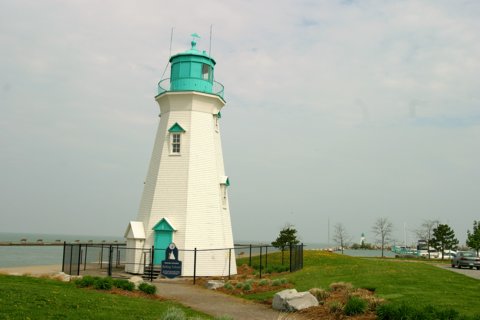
{"x":17,"y":256}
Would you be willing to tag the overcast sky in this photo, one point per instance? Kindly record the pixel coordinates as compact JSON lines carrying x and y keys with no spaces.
{"x":340,"y":111}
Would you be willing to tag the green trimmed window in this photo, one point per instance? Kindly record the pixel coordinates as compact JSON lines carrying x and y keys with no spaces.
{"x":176,"y":132}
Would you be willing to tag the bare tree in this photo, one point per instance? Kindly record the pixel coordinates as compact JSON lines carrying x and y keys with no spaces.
{"x":425,"y":232}
{"x":340,"y":235}
{"x":382,"y":228}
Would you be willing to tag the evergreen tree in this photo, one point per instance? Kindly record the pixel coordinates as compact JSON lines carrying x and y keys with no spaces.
{"x":286,"y":237}
{"x":473,"y":238}
{"x":443,"y":238}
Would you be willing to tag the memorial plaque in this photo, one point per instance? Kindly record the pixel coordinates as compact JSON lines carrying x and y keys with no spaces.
{"x":171,"y":268}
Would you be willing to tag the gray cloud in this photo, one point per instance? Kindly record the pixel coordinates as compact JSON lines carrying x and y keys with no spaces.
{"x":343,"y":110}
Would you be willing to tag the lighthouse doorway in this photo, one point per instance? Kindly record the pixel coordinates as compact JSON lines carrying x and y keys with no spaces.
{"x":162,"y":240}
{"x":163,"y":237}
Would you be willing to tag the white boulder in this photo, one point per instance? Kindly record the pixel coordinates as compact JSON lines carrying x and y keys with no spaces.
{"x":215,"y":284}
{"x":136,"y":280}
{"x":292,"y":300}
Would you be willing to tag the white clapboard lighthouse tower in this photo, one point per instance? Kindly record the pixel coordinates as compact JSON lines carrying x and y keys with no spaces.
{"x":185,"y":197}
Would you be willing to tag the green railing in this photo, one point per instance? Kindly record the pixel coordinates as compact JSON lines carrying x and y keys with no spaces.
{"x":164,"y":86}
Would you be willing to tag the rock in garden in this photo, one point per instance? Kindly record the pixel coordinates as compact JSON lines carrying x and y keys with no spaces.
{"x":215,"y":284}
{"x":136,"y":280}
{"x":291,"y":300}
{"x":62,"y":276}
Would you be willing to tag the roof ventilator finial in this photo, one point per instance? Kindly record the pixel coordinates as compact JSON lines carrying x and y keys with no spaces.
{"x":194,"y":42}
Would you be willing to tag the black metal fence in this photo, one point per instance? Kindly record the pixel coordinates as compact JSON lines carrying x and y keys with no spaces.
{"x":111,"y":259}
{"x":82,"y":257}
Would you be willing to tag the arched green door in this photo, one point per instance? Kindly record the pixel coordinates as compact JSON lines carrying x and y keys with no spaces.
{"x":163,"y":237}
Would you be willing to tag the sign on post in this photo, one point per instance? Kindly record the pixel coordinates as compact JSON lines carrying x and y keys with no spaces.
{"x":171,"y":268}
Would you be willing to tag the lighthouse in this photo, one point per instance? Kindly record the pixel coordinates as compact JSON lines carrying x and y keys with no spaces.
{"x":185,"y":196}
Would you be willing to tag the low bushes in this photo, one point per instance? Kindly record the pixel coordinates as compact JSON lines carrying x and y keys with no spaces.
{"x":147,"y":288}
{"x":107,"y":283}
{"x":124,"y":284}
{"x":355,"y":305}
{"x":103,"y":283}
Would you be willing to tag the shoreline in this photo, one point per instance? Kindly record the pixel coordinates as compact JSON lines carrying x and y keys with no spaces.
{"x":32,"y":270}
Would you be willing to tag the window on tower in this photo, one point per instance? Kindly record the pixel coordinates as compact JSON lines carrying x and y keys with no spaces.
{"x":206,"y":73}
{"x":176,"y":143}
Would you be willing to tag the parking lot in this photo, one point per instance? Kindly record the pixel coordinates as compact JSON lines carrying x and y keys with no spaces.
{"x":472,"y":273}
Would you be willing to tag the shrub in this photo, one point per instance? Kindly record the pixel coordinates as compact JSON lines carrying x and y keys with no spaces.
{"x":228,"y":286}
{"x":341,"y":286}
{"x":173,"y":313}
{"x":123,"y":284}
{"x":355,"y":305}
{"x":147,"y":288}
{"x":277,"y":268}
{"x":247,"y":286}
{"x":283,"y":281}
{"x":103,"y":283}
{"x":320,"y":294}
{"x":239,"y":285}
{"x":86,"y":281}
{"x":276,"y":282}
{"x":263,"y":282}
{"x":335,"y":307}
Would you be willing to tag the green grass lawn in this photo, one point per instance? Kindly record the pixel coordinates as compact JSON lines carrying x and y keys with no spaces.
{"x":36,"y":298}
{"x":413,"y":282}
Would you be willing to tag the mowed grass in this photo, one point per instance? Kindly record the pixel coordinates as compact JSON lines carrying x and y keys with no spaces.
{"x":410,"y":281}
{"x":36,"y":298}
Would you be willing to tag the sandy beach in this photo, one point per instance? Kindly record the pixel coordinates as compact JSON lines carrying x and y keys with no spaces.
{"x":33,"y":270}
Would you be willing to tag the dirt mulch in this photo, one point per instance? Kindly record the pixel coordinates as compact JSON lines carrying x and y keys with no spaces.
{"x":338,"y":297}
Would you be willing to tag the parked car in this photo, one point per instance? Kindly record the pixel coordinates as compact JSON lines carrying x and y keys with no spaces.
{"x":466,"y":259}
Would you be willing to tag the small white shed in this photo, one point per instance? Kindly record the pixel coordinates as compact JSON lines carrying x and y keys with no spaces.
{"x":135,"y":235}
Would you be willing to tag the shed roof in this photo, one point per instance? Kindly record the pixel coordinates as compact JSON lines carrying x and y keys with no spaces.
{"x":135,"y":230}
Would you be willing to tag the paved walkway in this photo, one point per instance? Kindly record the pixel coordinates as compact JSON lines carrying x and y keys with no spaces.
{"x":216,"y":303}
{"x":472,"y":273}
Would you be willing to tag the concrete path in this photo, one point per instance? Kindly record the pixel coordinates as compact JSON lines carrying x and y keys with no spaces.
{"x":216,"y":303}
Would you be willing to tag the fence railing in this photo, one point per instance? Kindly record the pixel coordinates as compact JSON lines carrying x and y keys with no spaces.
{"x":112,"y":259}
{"x":164,"y":86}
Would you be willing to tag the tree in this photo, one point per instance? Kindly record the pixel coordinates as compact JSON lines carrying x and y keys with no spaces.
{"x":473,"y":239}
{"x":443,"y":238}
{"x":286,"y":237}
{"x":340,"y":235}
{"x":425,"y":231}
{"x":382,"y":229}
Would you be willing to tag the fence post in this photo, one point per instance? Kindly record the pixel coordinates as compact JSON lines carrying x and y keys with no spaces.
{"x":229,"y":261}
{"x":290,"y":257}
{"x":85,"y":263}
{"x":261,"y":262}
{"x":101,"y":257}
{"x":71,"y":257}
{"x":302,"y":254}
{"x":110,"y":258}
{"x":151,"y":264}
{"x":266,"y":257}
{"x":250,"y":257}
{"x":194,"y":265}
{"x":63,"y":259}
{"x":79,"y":259}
